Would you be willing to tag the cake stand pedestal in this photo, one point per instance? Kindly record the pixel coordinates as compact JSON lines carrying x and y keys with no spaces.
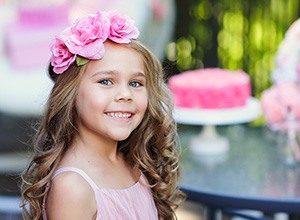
{"x":208,"y":141}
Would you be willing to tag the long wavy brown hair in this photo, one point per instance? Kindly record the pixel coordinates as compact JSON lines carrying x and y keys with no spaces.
{"x":151,"y":147}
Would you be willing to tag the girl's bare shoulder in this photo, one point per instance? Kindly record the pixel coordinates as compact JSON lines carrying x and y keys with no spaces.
{"x":70,"y":197}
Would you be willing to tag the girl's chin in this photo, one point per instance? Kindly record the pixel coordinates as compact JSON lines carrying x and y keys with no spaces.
{"x":120,"y":137}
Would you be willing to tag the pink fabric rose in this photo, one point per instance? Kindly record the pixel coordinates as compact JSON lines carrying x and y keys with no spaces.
{"x":274,"y":110}
{"x":61,"y":58}
{"x":84,"y":40}
{"x":88,"y":35}
{"x":122,"y":28}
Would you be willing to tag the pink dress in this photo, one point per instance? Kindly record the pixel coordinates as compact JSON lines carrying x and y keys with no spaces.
{"x":133,"y":203}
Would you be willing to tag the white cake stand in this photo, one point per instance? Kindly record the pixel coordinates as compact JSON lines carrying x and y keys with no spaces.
{"x":208,"y":141}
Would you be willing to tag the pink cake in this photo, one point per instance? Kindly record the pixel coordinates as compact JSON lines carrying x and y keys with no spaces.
{"x":210,"y":88}
{"x":28,"y":36}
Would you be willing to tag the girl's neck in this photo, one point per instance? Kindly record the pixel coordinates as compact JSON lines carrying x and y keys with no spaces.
{"x":99,"y":148}
{"x":91,"y":156}
{"x":107,"y":169}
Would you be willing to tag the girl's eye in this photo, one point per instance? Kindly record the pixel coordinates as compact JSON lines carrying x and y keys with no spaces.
{"x":105,"y":82}
{"x":135,"y":84}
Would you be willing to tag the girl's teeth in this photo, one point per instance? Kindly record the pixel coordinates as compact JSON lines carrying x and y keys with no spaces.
{"x":119,"y":115}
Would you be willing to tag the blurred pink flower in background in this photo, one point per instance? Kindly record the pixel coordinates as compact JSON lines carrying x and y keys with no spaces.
{"x":281,"y":108}
{"x":279,"y":100}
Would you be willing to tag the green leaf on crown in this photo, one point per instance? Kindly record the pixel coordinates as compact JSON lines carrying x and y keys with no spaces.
{"x":80,"y":61}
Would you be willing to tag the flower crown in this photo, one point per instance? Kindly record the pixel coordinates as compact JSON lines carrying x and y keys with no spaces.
{"x":84,"y":40}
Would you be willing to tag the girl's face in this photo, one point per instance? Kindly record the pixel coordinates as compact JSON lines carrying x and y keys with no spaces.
{"x":112,"y":96}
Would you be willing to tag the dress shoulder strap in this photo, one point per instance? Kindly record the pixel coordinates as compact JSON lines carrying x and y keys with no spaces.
{"x":80,"y":172}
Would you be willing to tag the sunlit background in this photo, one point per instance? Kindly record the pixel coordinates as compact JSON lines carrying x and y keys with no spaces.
{"x":239,"y":34}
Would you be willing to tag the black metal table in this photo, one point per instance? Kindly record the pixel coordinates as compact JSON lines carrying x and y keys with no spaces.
{"x":253,"y":174}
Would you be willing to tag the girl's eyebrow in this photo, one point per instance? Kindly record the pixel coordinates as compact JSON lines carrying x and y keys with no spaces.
{"x":112,"y":72}
{"x":139,"y":74}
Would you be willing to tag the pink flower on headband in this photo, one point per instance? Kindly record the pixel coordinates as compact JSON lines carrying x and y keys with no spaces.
{"x":88,"y":35}
{"x":84,"y":40}
{"x":122,"y":28}
{"x":61,"y":58}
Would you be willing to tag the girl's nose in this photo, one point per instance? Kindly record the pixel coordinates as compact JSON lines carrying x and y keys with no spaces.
{"x":124,"y":94}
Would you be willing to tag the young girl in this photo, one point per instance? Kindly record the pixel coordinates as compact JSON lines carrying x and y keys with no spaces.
{"x":105,"y":148}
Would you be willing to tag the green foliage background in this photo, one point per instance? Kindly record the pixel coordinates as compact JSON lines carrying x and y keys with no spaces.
{"x":231,"y":34}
